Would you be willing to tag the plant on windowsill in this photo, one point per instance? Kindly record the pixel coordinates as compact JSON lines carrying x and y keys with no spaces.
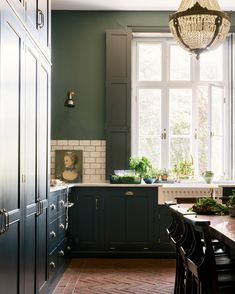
{"x":150,"y":176}
{"x":208,"y":176}
{"x":183,"y":169}
{"x":164,"y":173}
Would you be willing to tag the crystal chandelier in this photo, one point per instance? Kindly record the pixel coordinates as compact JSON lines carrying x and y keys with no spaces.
{"x":199,"y":25}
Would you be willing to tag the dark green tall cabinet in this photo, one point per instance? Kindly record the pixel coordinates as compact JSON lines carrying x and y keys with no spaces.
{"x":24,"y":108}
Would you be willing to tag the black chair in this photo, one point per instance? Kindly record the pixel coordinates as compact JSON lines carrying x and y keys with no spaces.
{"x":178,"y":236}
{"x":211,"y":273}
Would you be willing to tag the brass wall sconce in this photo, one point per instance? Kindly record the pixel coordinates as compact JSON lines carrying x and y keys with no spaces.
{"x":69,"y":102}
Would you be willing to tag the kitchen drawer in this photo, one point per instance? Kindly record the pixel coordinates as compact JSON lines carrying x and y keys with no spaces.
{"x":61,"y":229}
{"x":61,"y":202}
{"x":53,"y":206}
{"x":53,"y":262}
{"x":53,"y":235}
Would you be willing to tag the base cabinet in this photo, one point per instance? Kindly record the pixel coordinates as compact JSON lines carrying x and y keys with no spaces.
{"x":58,"y":247}
{"x":129,"y":219}
{"x":117,"y":221}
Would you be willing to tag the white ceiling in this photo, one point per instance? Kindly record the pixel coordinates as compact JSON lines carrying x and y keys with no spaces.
{"x":128,"y":4}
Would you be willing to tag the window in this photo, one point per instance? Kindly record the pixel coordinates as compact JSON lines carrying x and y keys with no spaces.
{"x":180,"y":106}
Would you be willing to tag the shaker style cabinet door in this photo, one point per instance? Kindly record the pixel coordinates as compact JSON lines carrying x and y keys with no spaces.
{"x":42,"y":171}
{"x":38,"y":18}
{"x":130,"y":219}
{"x":86,"y":220}
{"x":11,"y":209}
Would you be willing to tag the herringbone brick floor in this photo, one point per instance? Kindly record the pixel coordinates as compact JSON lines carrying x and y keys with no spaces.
{"x":118,"y":276}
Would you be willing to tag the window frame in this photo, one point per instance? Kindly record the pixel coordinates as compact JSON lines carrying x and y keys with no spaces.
{"x":165,"y":85}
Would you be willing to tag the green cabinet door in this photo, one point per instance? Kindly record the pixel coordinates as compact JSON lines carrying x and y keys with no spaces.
{"x":130,"y":218}
{"x":86,"y":220}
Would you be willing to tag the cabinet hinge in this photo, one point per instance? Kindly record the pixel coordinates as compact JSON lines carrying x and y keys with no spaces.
{"x":224,"y":100}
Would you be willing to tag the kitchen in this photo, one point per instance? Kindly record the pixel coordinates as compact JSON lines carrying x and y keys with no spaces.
{"x":78,"y":64}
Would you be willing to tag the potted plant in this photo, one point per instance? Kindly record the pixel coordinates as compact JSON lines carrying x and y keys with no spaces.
{"x":183,"y":169}
{"x":208,"y":176}
{"x":141,"y":165}
{"x":231,"y":204}
{"x":164,"y":174}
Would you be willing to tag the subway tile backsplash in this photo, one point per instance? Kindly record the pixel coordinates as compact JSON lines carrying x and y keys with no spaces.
{"x":94,"y":152}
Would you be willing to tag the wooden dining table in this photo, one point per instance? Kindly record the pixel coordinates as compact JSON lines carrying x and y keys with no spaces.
{"x":222,"y":226}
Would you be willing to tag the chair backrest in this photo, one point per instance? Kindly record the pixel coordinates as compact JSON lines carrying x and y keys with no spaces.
{"x":201,"y":260}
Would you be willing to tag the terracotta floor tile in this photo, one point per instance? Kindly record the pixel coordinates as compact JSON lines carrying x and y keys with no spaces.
{"x":118,"y":276}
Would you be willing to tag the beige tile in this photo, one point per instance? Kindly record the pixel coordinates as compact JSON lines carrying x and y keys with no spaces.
{"x":90,"y":148}
{"x":73,"y":142}
{"x":95,"y":154}
{"x":96,"y":143}
{"x":62,"y":142}
{"x":85,"y":142}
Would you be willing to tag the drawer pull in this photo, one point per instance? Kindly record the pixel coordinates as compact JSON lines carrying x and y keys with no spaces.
{"x":129,"y":193}
{"x":53,"y":206}
{"x":112,"y":248}
{"x":61,"y":202}
{"x":61,"y":226}
{"x":53,"y":234}
{"x":61,"y":253}
{"x":52,"y":265}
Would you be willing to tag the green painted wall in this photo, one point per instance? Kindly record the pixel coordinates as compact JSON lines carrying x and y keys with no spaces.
{"x":78,"y":63}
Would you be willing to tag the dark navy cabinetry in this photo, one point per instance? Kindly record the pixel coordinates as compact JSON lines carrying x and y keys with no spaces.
{"x":117,"y":220}
{"x":58,"y":247}
{"x":129,"y":218}
{"x":25,"y":82}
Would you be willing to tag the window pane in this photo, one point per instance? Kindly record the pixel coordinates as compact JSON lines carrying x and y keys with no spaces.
{"x":217,"y":156}
{"x":179,"y":150}
{"x":179,"y":64}
{"x":151,"y":148}
{"x":150,"y":124}
{"x":211,"y":65}
{"x":217,"y":106}
{"x":150,"y":62}
{"x":180,"y":102}
{"x":149,"y":112}
{"x":203,"y":140}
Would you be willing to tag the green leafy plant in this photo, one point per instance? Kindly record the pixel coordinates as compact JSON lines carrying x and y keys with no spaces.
{"x":164,"y":173}
{"x":141,"y":165}
{"x":183,"y":169}
{"x":208,"y":176}
{"x":208,"y":205}
{"x":231,"y":200}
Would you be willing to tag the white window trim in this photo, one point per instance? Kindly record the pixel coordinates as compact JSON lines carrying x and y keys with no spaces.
{"x":165,"y":85}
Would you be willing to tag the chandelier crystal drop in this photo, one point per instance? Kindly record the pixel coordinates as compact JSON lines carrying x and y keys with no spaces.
{"x":199,"y":25}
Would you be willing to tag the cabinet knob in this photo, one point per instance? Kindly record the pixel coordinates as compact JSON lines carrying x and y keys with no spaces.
{"x":68,"y":248}
{"x":61,"y":202}
{"x":52,"y":234}
{"x":61,"y":253}
{"x":52,"y":265}
{"x":53,"y":206}
{"x":61,"y":226}
{"x":129,"y":193}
